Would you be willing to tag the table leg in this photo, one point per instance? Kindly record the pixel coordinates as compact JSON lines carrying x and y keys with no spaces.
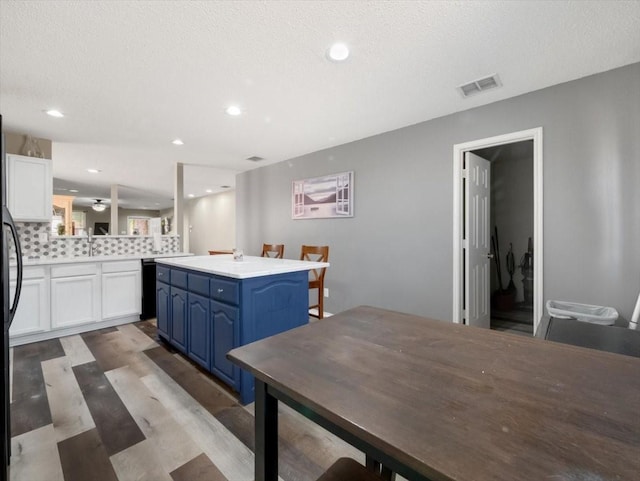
{"x":266,"y":449}
{"x":385,"y":473}
{"x":372,"y":464}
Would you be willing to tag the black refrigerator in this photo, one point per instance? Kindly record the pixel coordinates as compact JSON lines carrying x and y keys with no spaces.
{"x":9,"y":234}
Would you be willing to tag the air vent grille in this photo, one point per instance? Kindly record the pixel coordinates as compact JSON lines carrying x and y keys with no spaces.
{"x":480,"y":85}
{"x":255,"y":158}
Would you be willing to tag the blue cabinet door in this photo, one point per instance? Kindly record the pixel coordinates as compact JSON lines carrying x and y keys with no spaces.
{"x":225,"y":323}
{"x":163,"y":296}
{"x":179,"y":318}
{"x":199,"y":330}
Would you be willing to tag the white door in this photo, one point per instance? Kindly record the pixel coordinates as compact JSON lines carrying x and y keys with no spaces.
{"x":477,"y":268}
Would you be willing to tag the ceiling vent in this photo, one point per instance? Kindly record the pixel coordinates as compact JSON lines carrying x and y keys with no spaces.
{"x":255,"y":158}
{"x":479,"y":85}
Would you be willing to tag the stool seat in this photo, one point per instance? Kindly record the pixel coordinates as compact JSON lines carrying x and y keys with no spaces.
{"x":347,"y":469}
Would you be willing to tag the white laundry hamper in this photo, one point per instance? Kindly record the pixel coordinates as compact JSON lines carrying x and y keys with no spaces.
{"x":605,"y":316}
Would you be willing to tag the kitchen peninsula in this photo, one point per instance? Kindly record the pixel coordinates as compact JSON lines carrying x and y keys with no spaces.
{"x":208,"y":305}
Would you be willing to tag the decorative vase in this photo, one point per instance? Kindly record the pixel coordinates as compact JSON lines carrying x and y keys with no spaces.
{"x":31,"y":148}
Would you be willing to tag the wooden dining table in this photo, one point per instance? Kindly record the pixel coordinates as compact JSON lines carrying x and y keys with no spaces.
{"x":434,"y":400}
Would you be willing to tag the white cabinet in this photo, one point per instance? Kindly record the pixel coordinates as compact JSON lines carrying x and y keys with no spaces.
{"x":29,"y":188}
{"x":32,"y":314}
{"x":121,"y":289}
{"x":75,"y":295}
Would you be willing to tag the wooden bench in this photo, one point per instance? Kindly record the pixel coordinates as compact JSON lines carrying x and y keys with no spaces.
{"x":347,"y":469}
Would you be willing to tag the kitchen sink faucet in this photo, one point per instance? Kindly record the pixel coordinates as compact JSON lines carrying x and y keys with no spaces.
{"x":90,"y":241}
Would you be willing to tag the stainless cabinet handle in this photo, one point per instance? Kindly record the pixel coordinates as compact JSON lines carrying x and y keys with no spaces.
{"x":220,"y":290}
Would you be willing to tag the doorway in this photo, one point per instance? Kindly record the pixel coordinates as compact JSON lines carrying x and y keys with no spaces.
{"x":474,"y":236}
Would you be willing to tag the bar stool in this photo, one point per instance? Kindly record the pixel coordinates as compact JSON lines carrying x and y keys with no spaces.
{"x":276,"y":249}
{"x":316,"y":254}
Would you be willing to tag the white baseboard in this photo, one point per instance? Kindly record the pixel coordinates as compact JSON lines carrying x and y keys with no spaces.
{"x":315,"y":313}
{"x":69,"y":331}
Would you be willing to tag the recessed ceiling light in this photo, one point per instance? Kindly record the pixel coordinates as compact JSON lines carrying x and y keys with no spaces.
{"x":209,"y":191}
{"x":233,"y":110}
{"x":157,"y":203}
{"x":177,"y":142}
{"x":54,"y":113}
{"x":94,"y":171}
{"x":73,"y":190}
{"x":338,"y":52}
{"x":191,"y":195}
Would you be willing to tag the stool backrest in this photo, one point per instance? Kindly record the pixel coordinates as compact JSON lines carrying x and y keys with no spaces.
{"x":273,"y":250}
{"x":316,"y":254}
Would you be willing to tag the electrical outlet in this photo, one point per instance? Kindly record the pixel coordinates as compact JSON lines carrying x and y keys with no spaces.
{"x":43,"y":237}
{"x":326,"y":292}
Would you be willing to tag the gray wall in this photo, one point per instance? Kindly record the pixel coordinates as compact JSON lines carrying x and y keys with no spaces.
{"x":210,"y":223}
{"x":105,"y":216}
{"x":397,"y":250}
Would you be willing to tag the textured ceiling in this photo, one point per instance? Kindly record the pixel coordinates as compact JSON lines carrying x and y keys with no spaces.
{"x":133,"y":75}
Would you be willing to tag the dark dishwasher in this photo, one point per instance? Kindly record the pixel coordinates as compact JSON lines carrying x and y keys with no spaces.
{"x":148,"y":289}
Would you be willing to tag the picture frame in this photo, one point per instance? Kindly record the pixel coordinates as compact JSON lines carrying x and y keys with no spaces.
{"x":325,"y":197}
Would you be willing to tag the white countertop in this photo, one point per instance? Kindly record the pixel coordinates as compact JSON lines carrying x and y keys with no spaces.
{"x":224,"y":265}
{"x":44,"y":261}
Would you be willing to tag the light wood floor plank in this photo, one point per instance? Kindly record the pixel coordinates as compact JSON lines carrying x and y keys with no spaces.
{"x":138,"y":339}
{"x":69,"y":411}
{"x":234,"y":460}
{"x":172,"y":444}
{"x":76,"y":350}
{"x":140,"y":462}
{"x":34,"y":455}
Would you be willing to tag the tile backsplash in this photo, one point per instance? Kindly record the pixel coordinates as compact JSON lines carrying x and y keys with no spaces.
{"x":30,"y":234}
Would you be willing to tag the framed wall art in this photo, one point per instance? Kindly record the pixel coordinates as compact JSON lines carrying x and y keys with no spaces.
{"x":329,"y":196}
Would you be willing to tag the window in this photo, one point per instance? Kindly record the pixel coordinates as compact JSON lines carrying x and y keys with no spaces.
{"x":138,"y":225}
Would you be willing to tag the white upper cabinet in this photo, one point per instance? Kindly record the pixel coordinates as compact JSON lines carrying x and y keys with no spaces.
{"x":29,"y":188}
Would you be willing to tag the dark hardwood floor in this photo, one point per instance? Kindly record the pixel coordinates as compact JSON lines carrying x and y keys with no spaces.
{"x":116,"y":405}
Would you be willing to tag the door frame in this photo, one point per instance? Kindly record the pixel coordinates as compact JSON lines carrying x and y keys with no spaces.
{"x":458,"y":265}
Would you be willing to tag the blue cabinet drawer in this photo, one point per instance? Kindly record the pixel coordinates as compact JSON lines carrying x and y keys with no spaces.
{"x":178,"y":278}
{"x":225,"y":290}
{"x":163,"y":274}
{"x":199,"y":284}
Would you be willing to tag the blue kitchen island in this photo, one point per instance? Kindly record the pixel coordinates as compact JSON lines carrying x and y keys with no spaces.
{"x":208,"y":305}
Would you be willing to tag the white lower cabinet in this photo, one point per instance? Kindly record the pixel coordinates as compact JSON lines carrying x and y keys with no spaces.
{"x":121,"y":289}
{"x":63,"y":299}
{"x":75,"y":295}
{"x":32,"y":314}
